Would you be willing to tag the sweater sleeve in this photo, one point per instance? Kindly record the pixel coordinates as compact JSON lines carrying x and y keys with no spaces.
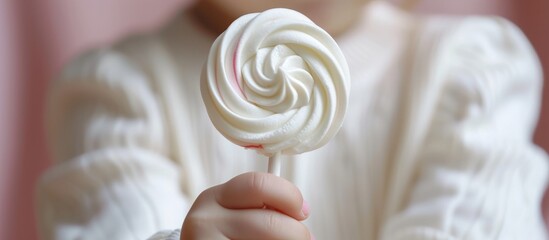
{"x":113,"y":177}
{"x":477,"y":174}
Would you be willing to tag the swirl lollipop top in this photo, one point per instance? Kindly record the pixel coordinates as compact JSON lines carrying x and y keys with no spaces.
{"x":276,"y":82}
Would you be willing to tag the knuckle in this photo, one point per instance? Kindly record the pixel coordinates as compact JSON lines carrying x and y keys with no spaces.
{"x":218,"y":192}
{"x":272,"y":223}
{"x":194,"y":224}
{"x":202,"y":220}
{"x":256,"y":183}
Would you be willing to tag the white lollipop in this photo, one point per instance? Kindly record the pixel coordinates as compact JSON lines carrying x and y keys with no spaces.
{"x":276,"y":82}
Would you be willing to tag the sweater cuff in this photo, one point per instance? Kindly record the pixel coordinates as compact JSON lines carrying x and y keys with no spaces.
{"x":166,"y":235}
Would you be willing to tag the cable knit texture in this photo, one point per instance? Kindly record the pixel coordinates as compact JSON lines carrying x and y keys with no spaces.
{"x":167,"y":235}
{"x":436,"y":143}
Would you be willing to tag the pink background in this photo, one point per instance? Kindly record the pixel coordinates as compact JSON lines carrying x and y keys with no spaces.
{"x":38,"y":36}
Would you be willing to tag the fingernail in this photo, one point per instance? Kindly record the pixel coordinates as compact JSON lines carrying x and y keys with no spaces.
{"x":305,"y":208}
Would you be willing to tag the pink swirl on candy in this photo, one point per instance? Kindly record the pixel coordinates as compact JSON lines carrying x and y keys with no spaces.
{"x":276,"y":82}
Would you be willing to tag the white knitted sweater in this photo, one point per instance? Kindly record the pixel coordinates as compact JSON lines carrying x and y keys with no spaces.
{"x":436,"y":143}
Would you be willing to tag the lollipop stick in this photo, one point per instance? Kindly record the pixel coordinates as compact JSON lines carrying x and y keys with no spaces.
{"x":274,"y":164}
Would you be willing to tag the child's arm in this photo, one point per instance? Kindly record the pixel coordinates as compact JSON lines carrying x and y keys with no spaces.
{"x":477,"y":174}
{"x":113,"y":178}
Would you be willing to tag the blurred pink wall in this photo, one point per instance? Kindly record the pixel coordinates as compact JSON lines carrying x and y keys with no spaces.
{"x":10,"y":76}
{"x":38,"y":37}
{"x":533,"y":17}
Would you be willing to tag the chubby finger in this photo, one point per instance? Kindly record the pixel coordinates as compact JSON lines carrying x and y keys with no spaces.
{"x":263,"y":224}
{"x":258,"y":190}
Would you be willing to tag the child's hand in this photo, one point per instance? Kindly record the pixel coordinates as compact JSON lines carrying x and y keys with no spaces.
{"x":249,"y":206}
